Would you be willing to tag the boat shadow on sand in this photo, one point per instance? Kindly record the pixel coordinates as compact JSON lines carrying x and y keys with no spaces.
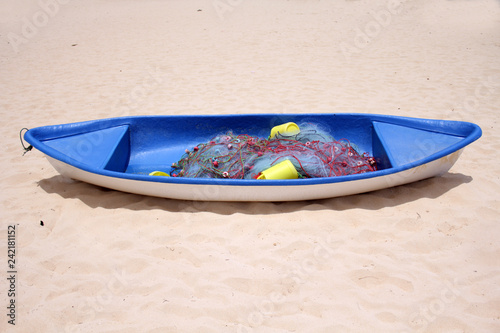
{"x":95,"y":196}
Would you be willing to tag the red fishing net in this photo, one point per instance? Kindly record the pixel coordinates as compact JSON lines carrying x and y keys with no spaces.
{"x":312,"y":152}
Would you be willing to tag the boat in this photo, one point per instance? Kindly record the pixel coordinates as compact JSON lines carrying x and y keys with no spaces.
{"x":120,"y":153}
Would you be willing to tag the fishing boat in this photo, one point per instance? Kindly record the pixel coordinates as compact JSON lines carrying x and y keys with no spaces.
{"x":120,"y":153}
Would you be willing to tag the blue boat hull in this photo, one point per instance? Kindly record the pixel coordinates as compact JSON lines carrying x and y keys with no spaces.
{"x":119,"y":153}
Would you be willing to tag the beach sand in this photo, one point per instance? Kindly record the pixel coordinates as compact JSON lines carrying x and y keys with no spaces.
{"x":423,"y":257}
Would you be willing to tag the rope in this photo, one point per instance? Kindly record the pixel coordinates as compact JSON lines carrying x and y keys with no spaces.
{"x":26,"y":149}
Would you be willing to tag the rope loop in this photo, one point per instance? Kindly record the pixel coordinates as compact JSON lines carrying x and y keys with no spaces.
{"x":26,"y":149}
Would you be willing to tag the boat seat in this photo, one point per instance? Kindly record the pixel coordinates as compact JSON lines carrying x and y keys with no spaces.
{"x":109,"y":148}
{"x":405,"y":145}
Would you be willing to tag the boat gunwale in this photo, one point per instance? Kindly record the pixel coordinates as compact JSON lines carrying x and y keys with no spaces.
{"x":474,"y":134}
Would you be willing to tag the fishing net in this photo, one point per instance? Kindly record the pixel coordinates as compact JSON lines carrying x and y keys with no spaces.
{"x":312,"y":151}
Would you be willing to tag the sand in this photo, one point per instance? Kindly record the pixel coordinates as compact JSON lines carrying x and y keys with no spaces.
{"x":422,"y":257}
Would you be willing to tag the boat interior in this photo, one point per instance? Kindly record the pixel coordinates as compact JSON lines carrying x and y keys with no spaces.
{"x":140,"y":145}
